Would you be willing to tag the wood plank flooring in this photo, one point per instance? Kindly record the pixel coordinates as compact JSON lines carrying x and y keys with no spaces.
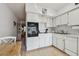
{"x":49,"y":51}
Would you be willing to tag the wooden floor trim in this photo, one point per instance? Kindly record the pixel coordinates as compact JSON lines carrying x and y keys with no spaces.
{"x":60,"y":50}
{"x":38,"y":48}
{"x":47,"y":47}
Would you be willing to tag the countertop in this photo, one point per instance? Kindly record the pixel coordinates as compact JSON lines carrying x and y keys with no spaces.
{"x":68,"y":34}
{"x":12,"y":49}
{"x":63,"y":34}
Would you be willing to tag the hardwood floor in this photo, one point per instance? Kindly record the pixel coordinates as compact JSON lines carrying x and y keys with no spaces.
{"x":49,"y":51}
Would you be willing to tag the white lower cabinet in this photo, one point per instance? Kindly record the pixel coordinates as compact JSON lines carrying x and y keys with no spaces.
{"x":54,"y":40}
{"x":70,"y":53}
{"x":32,"y":43}
{"x":43,"y":40}
{"x":68,"y":44}
{"x":78,"y":46}
{"x":60,"y":43}
{"x":71,"y":46}
{"x":48,"y":39}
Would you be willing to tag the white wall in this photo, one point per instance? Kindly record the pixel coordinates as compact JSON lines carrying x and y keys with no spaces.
{"x":33,"y":7}
{"x":6,"y":21}
{"x":17,"y":9}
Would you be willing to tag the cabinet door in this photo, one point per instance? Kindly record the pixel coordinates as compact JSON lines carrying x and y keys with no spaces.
{"x":42,"y":27}
{"x":32,"y":17}
{"x":49,"y":22}
{"x":50,"y":39}
{"x":54,"y":22}
{"x":74,"y":17}
{"x":78,"y":46}
{"x":71,"y":45}
{"x":54,"y":41}
{"x":70,"y":52}
{"x":36,"y":43}
{"x":47,"y":40}
{"x":64,"y":19}
{"x":32,"y":43}
{"x":60,"y":43}
{"x":42,"y":40}
{"x":29,"y":44}
{"x":58,"y":20}
{"x":43,"y":19}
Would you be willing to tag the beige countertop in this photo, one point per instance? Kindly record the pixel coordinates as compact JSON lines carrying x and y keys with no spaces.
{"x":68,"y":35}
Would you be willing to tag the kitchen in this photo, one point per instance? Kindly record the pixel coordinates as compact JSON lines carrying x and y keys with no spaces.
{"x":60,"y":30}
{"x":39,"y":29}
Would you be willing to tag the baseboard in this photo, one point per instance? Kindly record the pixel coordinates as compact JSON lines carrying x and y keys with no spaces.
{"x":39,"y":48}
{"x":60,"y":50}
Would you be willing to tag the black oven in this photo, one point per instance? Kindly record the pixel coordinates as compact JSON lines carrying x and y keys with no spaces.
{"x":32,"y":29}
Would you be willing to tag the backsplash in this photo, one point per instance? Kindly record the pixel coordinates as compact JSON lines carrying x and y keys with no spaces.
{"x":66,"y":29}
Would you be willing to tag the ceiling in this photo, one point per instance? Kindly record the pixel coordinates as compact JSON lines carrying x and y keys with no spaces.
{"x":19,"y":8}
{"x":53,"y":6}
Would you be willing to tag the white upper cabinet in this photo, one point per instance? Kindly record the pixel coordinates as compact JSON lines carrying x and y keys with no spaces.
{"x":58,"y":20}
{"x":74,"y":17}
{"x":54,"y":22}
{"x":49,"y":22}
{"x":43,"y":19}
{"x":42,"y":26}
{"x":32,"y":17}
{"x":64,"y":19}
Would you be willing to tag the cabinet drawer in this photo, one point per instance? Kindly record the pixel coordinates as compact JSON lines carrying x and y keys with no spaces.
{"x":70,"y":52}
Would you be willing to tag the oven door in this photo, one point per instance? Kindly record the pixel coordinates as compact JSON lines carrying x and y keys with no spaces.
{"x":32,"y":29}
